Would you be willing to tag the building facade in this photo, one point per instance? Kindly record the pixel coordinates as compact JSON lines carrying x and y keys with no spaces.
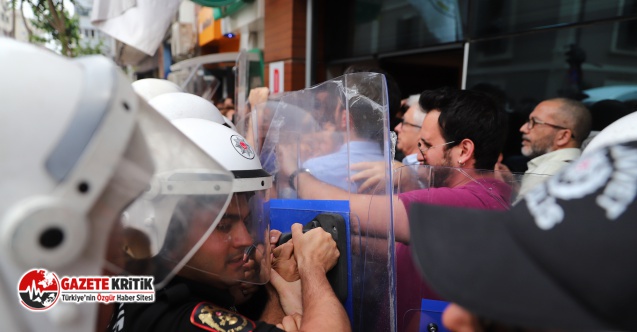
{"x":90,"y":36}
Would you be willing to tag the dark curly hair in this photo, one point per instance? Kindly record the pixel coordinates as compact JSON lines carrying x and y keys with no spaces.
{"x":472,"y":115}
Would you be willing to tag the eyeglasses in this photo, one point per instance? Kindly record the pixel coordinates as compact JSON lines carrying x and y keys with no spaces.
{"x":425,"y":149}
{"x":405,"y":123}
{"x":533,"y":121}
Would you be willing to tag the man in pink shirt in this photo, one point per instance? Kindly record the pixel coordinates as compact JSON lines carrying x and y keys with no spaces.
{"x":460,"y":186}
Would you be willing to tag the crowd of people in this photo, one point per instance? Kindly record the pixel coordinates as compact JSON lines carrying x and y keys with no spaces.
{"x":459,"y":138}
{"x":164,"y":184}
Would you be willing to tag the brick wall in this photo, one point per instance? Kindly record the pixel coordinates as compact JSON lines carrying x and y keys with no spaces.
{"x":284,"y":30}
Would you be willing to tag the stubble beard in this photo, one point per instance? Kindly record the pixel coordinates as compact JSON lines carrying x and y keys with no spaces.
{"x":442,"y":173}
{"x":537,"y":148}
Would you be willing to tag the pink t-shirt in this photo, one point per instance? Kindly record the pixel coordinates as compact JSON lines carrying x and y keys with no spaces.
{"x":488,"y":194}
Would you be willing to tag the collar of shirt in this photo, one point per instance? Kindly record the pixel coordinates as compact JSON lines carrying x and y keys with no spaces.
{"x":364,"y":147}
{"x":411,"y":159}
{"x":565,"y":155}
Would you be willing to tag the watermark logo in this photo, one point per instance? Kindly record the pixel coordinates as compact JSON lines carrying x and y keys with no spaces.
{"x":40,"y":289}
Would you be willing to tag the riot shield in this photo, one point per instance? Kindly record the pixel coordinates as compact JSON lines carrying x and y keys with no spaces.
{"x":311,"y":140}
{"x":248,"y":75}
{"x":419,"y":307}
{"x":193,"y":76}
{"x":328,"y":128}
{"x":194,"y":80}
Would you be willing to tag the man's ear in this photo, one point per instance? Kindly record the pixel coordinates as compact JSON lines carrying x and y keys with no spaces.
{"x":563,"y":137}
{"x":344,"y":119}
{"x":467,"y":147}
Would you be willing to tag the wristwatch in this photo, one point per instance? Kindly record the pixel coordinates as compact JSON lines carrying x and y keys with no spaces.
{"x":292,"y":178}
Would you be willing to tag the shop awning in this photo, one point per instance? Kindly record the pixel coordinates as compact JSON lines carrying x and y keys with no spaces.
{"x":223,"y":8}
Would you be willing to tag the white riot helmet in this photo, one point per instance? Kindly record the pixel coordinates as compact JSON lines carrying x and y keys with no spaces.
{"x":244,"y":226}
{"x":181,"y":105}
{"x":83,"y":146}
{"x":177,"y":107}
{"x":153,"y":215}
{"x":149,"y":88}
{"x":185,"y":105}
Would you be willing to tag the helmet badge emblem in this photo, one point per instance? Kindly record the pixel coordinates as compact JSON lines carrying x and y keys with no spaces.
{"x":242,"y":147}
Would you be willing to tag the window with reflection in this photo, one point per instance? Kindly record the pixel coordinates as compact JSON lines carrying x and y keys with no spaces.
{"x":491,"y":18}
{"x":383,"y":26}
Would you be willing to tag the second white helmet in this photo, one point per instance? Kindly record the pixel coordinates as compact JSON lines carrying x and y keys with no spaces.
{"x":149,"y":88}
{"x":181,"y":105}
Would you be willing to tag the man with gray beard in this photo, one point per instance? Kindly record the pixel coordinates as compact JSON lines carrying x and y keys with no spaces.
{"x":552,"y":137}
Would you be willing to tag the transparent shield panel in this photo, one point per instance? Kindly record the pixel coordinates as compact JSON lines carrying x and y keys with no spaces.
{"x":185,"y":194}
{"x":241,"y":84}
{"x":248,"y":101}
{"x":418,"y":304}
{"x":373,"y":261}
{"x":334,"y":131}
{"x":196,"y":80}
{"x":248,"y":75}
{"x":329,"y":129}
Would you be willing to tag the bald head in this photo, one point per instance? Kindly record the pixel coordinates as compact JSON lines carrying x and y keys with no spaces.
{"x":408,"y":129}
{"x":561,"y":124}
{"x":419,"y":113}
{"x":574,"y":115}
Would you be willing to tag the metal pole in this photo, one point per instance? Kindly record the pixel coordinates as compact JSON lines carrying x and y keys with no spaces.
{"x":465,"y":65}
{"x":308,"y":44}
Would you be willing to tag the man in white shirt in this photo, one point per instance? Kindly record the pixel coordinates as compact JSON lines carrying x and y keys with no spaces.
{"x":407,"y":130}
{"x":553,"y":136}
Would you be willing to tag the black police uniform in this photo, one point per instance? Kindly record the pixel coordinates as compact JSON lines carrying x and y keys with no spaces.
{"x":185,"y":305}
